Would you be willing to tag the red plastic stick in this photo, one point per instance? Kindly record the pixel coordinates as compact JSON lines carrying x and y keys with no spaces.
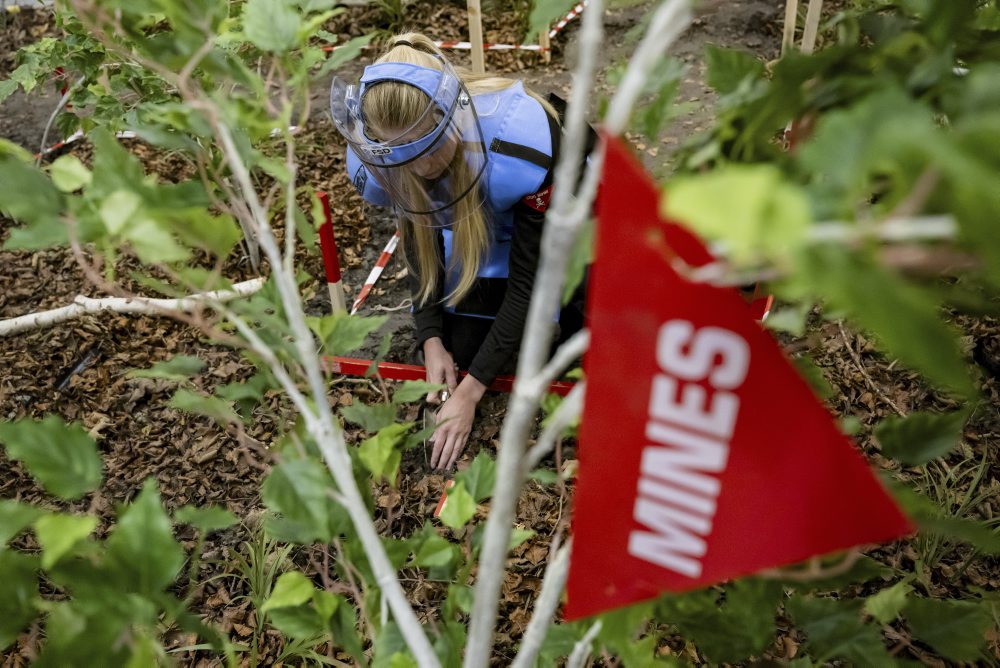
{"x":331,"y":261}
{"x":394,"y":371}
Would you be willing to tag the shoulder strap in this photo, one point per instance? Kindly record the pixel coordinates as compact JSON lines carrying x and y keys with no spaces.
{"x":532,"y":155}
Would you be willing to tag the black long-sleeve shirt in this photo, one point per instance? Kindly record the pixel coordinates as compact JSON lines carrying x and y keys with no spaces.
{"x":507,"y":298}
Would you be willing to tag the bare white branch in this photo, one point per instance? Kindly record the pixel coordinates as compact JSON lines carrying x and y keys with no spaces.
{"x":568,"y":410}
{"x":163,"y":307}
{"x":563,"y":223}
{"x":545,"y":607}
{"x":582,"y":649}
{"x":557,"y":242}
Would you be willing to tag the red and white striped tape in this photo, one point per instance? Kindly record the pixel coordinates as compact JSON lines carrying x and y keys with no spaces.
{"x":573,"y":13}
{"x":77,"y":136}
{"x":331,"y":260}
{"x":463,"y":45}
{"x":376,"y":271}
{"x":490,"y":47}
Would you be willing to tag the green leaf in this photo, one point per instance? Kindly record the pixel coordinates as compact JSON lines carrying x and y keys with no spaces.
{"x":153,"y":242}
{"x":480,"y":477}
{"x":340,"y":333}
{"x":414,"y":390}
{"x":544,"y":476}
{"x":15,"y":517}
{"x":435,"y":552}
{"x":299,"y":491}
{"x":19,"y":597}
{"x":345,"y":53}
{"x":813,"y":375}
{"x":7,"y":88}
{"x":519,"y":536}
{"x":886,"y":605}
{"x":301,"y":622}
{"x":544,"y":13}
{"x":834,"y":630}
{"x":291,"y":589}
{"x":920,"y":437}
{"x":391,"y":649}
{"x":727,"y":68}
{"x":580,"y":258}
{"x":955,"y":629}
{"x":343,"y":626}
{"x":205,"y":518}
{"x":28,"y":196}
{"x":178,"y":368}
{"x":752,"y":209}
{"x":272,"y":25}
{"x":903,"y":317}
{"x":203,"y":404}
{"x":142,"y":545}
{"x":69,"y":174}
{"x":729,"y":630}
{"x":458,"y":508}
{"x":381,"y":455}
{"x":975,"y":533}
{"x":63,"y":458}
{"x":370,"y":417}
{"x":57,"y":534}
{"x":119,"y":209}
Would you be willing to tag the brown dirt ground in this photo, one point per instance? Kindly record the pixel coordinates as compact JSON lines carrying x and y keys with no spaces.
{"x":79,"y":370}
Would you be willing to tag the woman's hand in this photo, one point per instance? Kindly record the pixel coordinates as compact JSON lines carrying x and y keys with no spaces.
{"x":440,"y":368}
{"x":455,"y":420}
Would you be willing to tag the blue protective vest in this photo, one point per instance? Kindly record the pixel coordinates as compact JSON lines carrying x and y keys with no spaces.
{"x":508,"y":117}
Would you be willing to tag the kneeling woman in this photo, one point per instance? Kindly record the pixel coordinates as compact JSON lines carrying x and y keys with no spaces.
{"x":466,"y":161}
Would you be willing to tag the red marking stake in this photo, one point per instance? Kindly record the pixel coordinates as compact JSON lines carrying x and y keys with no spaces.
{"x":328,"y":244}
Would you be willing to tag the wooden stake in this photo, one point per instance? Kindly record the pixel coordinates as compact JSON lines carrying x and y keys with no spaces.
{"x":476,"y":36}
{"x":545,"y":42}
{"x":812,"y":26}
{"x":791,"y":18}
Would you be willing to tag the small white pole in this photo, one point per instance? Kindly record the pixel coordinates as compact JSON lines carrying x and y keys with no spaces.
{"x":791,"y":18}
{"x":476,"y":36}
{"x":545,"y":42}
{"x":812,"y":26}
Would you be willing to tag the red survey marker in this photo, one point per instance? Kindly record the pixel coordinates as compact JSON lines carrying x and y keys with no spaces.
{"x":713,"y":459}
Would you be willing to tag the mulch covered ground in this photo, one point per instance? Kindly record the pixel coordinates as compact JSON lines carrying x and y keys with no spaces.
{"x":79,"y":370}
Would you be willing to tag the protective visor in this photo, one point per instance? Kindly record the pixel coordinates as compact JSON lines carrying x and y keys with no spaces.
{"x":432,"y":164}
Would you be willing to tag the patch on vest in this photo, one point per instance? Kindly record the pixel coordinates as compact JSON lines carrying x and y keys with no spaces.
{"x":360,"y":179}
{"x":539,"y":201}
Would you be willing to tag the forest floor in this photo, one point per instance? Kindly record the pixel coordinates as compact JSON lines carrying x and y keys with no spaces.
{"x":80,"y":370}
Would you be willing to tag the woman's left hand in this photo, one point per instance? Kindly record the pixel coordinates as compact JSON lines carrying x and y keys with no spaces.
{"x":455,"y":423}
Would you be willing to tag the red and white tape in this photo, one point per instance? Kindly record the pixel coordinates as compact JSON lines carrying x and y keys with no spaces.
{"x":331,"y":260}
{"x":573,"y":13}
{"x":463,"y":45}
{"x":376,"y":271}
{"x":490,"y":47}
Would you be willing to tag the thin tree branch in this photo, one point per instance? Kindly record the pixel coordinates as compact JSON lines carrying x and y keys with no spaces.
{"x":582,"y":649}
{"x":545,"y":606}
{"x":558,"y":238}
{"x":563,"y":223}
{"x":568,"y":410}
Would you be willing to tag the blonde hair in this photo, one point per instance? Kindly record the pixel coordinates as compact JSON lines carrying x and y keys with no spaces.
{"x":393,"y":104}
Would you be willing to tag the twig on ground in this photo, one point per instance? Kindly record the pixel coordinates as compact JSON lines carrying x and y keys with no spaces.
{"x":814,"y":570}
{"x":162,"y":307}
{"x":864,"y":374}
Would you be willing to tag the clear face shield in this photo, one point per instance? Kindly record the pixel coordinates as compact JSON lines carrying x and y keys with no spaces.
{"x":430,"y":166}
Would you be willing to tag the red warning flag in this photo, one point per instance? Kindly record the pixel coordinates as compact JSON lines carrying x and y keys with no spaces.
{"x":713,"y":459}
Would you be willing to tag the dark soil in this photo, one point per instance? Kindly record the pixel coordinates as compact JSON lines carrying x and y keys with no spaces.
{"x":79,"y":370}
